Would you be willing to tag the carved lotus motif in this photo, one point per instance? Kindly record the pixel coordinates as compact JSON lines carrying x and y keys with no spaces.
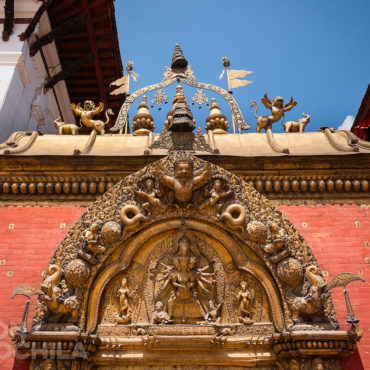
{"x":257,"y":231}
{"x":290,"y":272}
{"x":111,"y":232}
{"x":77,"y":273}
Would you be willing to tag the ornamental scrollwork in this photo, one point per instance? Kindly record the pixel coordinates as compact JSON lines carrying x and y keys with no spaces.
{"x":183,"y":280}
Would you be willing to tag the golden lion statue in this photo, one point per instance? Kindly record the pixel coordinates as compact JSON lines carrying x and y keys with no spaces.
{"x":88,"y":112}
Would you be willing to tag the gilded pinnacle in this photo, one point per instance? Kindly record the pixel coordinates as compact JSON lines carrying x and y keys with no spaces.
{"x":179,"y":62}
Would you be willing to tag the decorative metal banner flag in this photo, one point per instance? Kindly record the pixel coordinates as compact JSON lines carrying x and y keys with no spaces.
{"x":238,"y":73}
{"x":234,"y":75}
{"x":233,"y":83}
{"x":124,"y":81}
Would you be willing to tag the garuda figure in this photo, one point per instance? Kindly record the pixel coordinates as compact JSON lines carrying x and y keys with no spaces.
{"x":184,"y":182}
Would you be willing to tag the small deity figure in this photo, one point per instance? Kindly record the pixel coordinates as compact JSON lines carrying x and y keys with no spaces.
{"x":245,"y":298}
{"x":150,"y":196}
{"x":64,"y":287}
{"x":277,"y":239}
{"x":124,"y":293}
{"x":160,"y":316}
{"x":277,"y":111}
{"x":213,"y":312}
{"x":276,"y":247}
{"x":91,"y":238}
{"x":216,"y":194}
{"x":183,"y":183}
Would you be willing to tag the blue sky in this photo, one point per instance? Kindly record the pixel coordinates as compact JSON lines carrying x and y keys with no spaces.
{"x":316,"y":51}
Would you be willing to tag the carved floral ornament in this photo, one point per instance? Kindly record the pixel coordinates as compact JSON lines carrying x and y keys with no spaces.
{"x":183,"y":247}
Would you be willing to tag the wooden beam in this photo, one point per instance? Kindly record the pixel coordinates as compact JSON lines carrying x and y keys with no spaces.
{"x":36,"y":18}
{"x":64,"y":73}
{"x":66,"y":13}
{"x":9,"y":19}
{"x":61,"y":6}
{"x":94,"y":48}
{"x":115,"y":48}
{"x":74,"y":36}
{"x":60,"y":30}
{"x":81,"y":82}
{"x":100,"y":19}
{"x":72,"y":55}
{"x":80,"y":45}
{"x":96,"y":3}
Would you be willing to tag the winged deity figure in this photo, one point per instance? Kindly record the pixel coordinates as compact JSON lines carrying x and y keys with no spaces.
{"x":183,"y":181}
{"x":277,"y":108}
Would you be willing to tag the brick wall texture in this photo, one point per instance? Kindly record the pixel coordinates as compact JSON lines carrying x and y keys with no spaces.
{"x":337,"y":234}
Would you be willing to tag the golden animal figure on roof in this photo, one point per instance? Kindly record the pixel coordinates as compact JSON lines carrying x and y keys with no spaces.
{"x":277,"y":108}
{"x":88,"y":112}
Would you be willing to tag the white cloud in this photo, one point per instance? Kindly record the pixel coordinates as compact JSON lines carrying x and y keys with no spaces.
{"x":347,"y":123}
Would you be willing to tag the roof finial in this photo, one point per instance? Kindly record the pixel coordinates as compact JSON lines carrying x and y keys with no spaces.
{"x":179,"y":62}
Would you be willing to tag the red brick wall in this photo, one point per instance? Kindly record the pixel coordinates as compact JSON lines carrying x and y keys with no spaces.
{"x":338,"y":235}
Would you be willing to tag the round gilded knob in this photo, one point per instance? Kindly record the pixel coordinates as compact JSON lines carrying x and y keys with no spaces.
{"x":364,"y":185}
{"x":303,"y":186}
{"x":347,"y":186}
{"x":58,"y":187}
{"x":290,"y":271}
{"x":295,"y":185}
{"x":330,"y":185}
{"x":84,"y":187}
{"x":6,"y":188}
{"x":23,"y":188}
{"x":75,"y":187}
{"x":92,"y":187}
{"x":312,"y":186}
{"x":339,"y":185}
{"x":40,"y":188}
{"x":111,"y":232}
{"x":109,"y":185}
{"x":277,"y":186}
{"x":15,"y":188}
{"x":268,"y":186}
{"x":257,"y":231}
{"x":49,"y":188}
{"x":259,"y":185}
{"x":286,"y":185}
{"x":101,"y":187}
{"x":356,"y":185}
{"x":77,"y":272}
{"x":32,"y":188}
{"x":321,"y":186}
{"x":66,"y":188}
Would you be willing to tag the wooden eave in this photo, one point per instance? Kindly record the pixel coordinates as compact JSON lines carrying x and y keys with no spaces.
{"x":315,"y":171}
{"x":99,"y":36}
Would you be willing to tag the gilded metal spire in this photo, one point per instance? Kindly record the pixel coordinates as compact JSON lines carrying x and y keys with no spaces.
{"x":179,"y":62}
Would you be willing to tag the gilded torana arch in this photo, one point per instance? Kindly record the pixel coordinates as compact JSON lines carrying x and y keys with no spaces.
{"x":183,"y":264}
